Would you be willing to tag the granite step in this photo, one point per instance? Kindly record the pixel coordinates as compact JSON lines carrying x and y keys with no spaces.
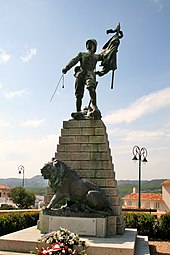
{"x":26,"y":240}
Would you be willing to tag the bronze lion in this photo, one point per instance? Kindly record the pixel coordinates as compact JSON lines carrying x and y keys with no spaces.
{"x":80,"y":194}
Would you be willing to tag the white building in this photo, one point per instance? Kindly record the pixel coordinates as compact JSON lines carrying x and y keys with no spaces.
{"x":161,"y":202}
{"x":4,"y":192}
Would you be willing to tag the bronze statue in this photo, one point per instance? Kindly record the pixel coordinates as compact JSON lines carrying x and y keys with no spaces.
{"x":80,"y":194}
{"x":85,"y":73}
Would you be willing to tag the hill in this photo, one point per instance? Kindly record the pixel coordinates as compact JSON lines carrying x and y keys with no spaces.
{"x":34,"y":182}
{"x":126,"y":186}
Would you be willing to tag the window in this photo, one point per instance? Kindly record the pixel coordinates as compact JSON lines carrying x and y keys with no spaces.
{"x":147,"y":205}
{"x":129,"y":203}
{"x":157,"y":205}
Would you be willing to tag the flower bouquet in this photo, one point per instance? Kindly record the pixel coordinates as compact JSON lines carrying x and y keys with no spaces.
{"x":61,"y":242}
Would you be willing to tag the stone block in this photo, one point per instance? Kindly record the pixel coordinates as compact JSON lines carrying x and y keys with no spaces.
{"x":68,"y":147}
{"x":107,"y":173}
{"x":81,"y":139}
{"x":60,"y":147}
{"x":97,"y":139}
{"x":70,"y":124}
{"x":120,"y":229}
{"x":101,"y":227}
{"x":115,"y":201}
{"x":86,"y":173}
{"x":74,"y":131}
{"x":91,"y":123}
{"x":107,"y":164}
{"x":75,"y":165}
{"x":83,"y":226}
{"x":44,"y":223}
{"x":110,"y":191}
{"x":117,"y":210}
{"x":67,"y":139}
{"x":75,"y":156}
{"x":103,"y":147}
{"x":111,"y":225}
{"x":98,"y":182}
{"x":100,"y":131}
{"x":83,"y":123}
{"x":88,"y":131}
{"x":100,"y":156}
{"x":89,"y":147}
{"x":64,"y":132}
{"x":111,"y":183}
{"x":120,"y":219}
{"x":90,"y":164}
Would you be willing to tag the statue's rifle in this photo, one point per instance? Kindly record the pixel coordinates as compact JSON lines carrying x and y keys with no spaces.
{"x":61,"y":78}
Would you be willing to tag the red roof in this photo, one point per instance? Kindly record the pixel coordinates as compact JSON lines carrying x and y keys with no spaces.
{"x":4,"y":187}
{"x":166,"y":183}
{"x":144,"y":196}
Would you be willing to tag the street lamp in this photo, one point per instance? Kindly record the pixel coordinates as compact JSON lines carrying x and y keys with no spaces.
{"x":21,"y":171}
{"x":139,"y":154}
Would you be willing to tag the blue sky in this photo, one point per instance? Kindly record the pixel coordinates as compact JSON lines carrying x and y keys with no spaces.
{"x":37,"y":40}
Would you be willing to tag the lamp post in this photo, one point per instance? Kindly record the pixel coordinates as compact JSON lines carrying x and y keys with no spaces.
{"x":21,"y":171}
{"x":139,"y":154}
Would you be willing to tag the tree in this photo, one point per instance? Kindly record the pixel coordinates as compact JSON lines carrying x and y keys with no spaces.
{"x":23,"y":198}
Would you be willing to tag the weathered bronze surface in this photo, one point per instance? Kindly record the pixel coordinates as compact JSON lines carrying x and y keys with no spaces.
{"x":85,"y":72}
{"x":80,"y":195}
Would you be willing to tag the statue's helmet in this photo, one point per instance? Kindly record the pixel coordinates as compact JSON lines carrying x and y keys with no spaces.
{"x":94,"y":42}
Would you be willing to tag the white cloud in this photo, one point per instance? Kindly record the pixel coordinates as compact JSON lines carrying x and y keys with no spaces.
{"x":28,"y":55}
{"x":140,"y":107}
{"x":33,"y":123}
{"x":140,"y":135}
{"x":3,"y":124}
{"x":18,"y":93}
{"x":31,"y":153}
{"x":4,"y":56}
{"x":1,"y":85}
{"x":144,"y":135}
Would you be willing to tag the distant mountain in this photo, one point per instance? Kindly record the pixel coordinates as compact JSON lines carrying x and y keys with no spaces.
{"x":125,"y":187}
{"x":154,"y":182}
{"x":34,"y":182}
{"x":38,"y":181}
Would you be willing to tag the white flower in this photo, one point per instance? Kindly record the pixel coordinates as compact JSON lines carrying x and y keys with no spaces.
{"x":56,"y":245}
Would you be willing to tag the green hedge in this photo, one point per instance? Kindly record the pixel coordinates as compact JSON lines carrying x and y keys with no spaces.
{"x":16,"y":221}
{"x":147,"y":224}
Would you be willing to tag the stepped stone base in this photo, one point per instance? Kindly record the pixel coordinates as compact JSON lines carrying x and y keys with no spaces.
{"x":84,"y":147}
{"x":26,"y":240}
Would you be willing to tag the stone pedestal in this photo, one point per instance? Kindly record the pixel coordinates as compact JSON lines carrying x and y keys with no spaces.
{"x":82,"y":226}
{"x":84,"y":147}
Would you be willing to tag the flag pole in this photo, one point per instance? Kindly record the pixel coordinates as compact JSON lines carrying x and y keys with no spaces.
{"x":112,"y":79}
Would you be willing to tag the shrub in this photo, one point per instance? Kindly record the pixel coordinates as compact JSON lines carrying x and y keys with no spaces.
{"x":164,"y":226}
{"x":147,"y":224}
{"x":16,"y":221}
{"x":143,"y":222}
